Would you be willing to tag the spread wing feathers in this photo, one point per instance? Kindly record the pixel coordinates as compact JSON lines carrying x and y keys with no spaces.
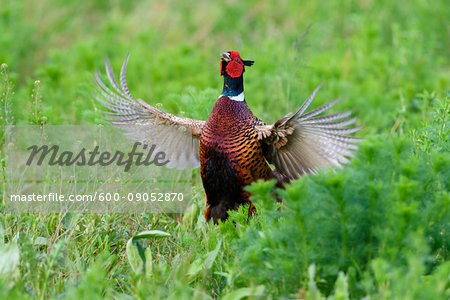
{"x":178,"y":138}
{"x":303,"y":143}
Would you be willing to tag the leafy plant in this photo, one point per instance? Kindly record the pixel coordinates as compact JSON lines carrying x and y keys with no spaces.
{"x":389,"y":208}
{"x":6,"y":94}
{"x":36,"y":115}
{"x":139,"y":258}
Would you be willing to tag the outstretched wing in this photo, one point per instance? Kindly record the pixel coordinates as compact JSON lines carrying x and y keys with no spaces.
{"x":178,"y":137}
{"x":303,"y":143}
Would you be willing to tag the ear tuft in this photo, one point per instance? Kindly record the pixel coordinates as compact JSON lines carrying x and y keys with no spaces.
{"x":248,"y":63}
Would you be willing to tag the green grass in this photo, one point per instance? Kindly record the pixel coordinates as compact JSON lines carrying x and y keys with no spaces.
{"x":378,"y":228}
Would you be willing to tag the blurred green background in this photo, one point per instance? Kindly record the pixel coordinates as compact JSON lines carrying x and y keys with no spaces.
{"x":376,"y":55}
{"x":388,"y":60}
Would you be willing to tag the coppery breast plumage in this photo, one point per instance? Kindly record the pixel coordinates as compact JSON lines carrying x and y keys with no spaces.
{"x":231,"y":156}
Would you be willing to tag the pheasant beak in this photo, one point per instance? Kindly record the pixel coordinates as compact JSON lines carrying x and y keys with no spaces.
{"x":226,"y":56}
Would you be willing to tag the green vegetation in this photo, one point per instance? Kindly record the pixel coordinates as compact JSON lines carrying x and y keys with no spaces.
{"x":380,"y":227}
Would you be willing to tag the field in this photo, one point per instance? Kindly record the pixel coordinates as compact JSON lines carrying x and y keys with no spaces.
{"x":377,"y":229}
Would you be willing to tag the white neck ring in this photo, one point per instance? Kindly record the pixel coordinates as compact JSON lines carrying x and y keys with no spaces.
{"x":238,"y":98}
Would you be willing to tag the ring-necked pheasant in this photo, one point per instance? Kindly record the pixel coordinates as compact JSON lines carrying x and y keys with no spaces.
{"x":233,"y":147}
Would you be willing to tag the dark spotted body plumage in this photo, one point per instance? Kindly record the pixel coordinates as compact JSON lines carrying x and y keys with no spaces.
{"x":231,"y":156}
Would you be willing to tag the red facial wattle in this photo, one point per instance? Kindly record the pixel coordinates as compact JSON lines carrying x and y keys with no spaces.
{"x":234,"y":64}
{"x":234,"y":54}
{"x":234,"y":68}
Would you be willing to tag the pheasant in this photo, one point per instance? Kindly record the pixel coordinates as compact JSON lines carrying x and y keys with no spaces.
{"x":233,"y":147}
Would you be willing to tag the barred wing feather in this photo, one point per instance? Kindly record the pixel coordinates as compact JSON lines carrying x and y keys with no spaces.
{"x":178,"y":137}
{"x":303,"y":143}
